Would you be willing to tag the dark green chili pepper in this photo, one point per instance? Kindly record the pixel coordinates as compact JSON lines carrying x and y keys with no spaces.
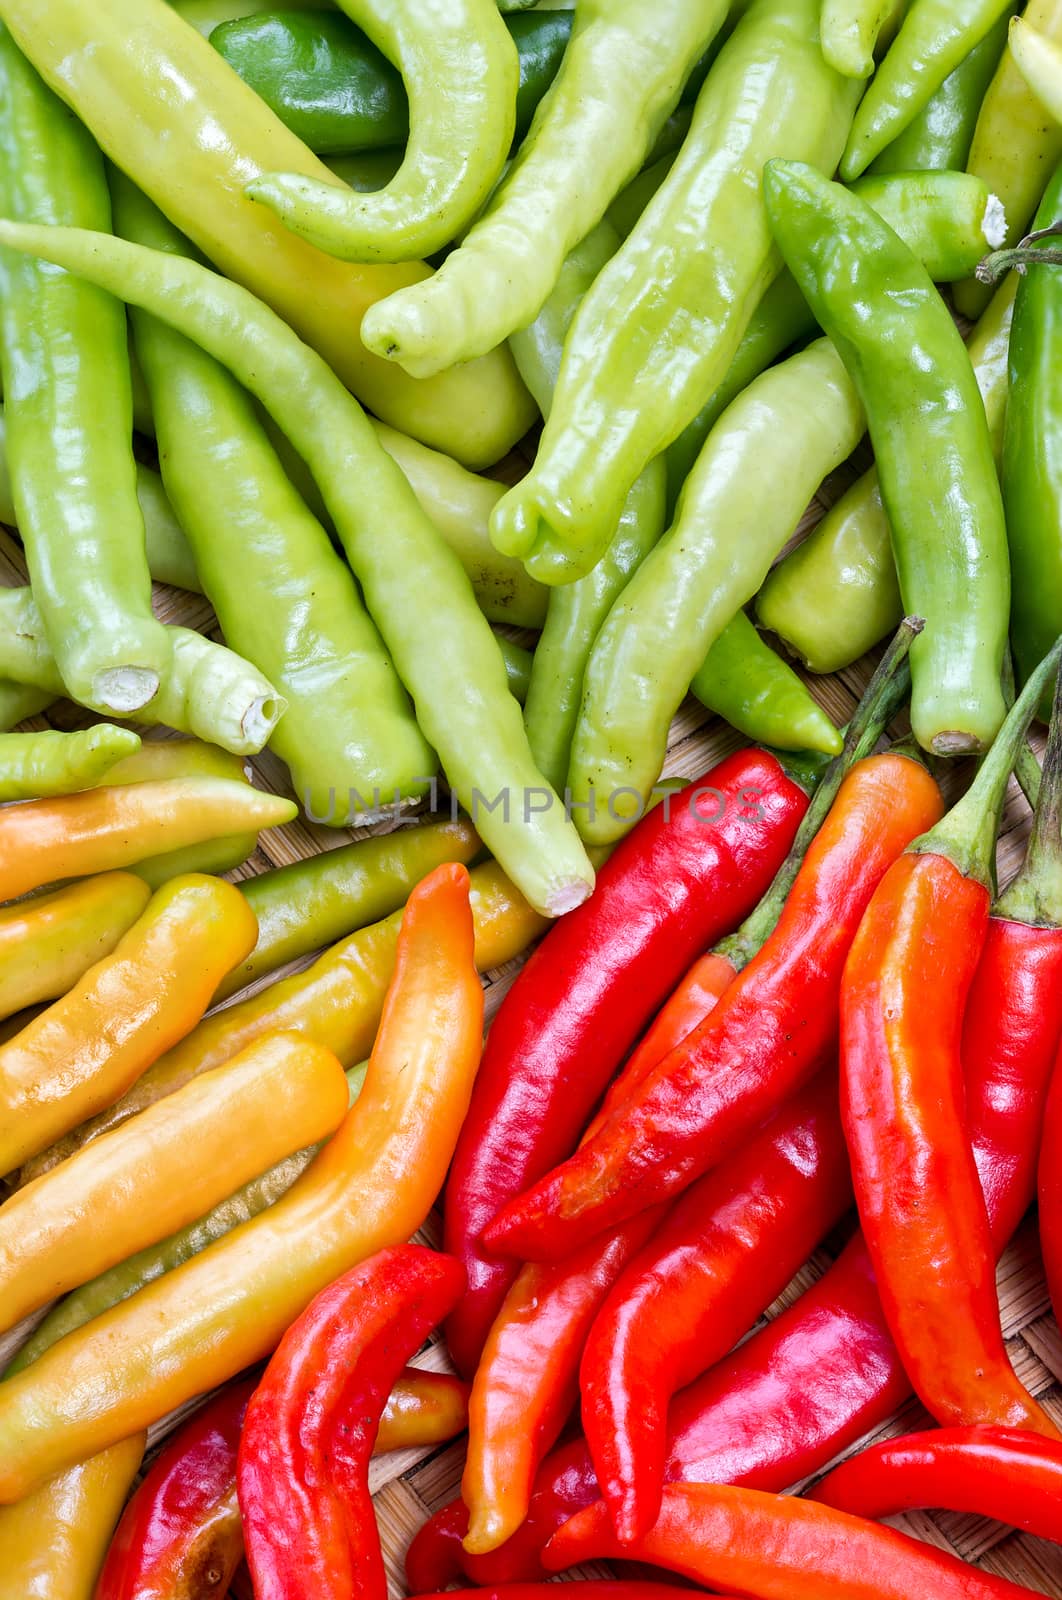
{"x":938,"y":139}
{"x":931,"y":441}
{"x":748,"y":684}
{"x":1032,"y":451}
{"x":339,"y":93}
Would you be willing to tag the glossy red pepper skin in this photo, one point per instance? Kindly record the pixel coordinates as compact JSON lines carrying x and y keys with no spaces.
{"x":729,"y":1247}
{"x":923,"y":1211}
{"x":302,"y":1469}
{"x":776,"y":1547}
{"x":592,"y":1589}
{"x":825,"y":1372}
{"x":1050,"y":1191}
{"x":769,"y":1033}
{"x":1008,"y":1474}
{"x":676,"y":884}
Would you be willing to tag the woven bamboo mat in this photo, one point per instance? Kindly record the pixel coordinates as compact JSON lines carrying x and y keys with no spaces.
{"x":410,"y":1485}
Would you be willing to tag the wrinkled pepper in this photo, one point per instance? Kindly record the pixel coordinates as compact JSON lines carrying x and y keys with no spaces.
{"x":36,"y":765}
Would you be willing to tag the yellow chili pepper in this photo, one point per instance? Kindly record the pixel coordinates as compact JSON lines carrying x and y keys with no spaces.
{"x":372,"y":1186}
{"x":158,"y":1173}
{"x":47,"y":944}
{"x":91,"y":1046}
{"x":79,"y":834}
{"x":173,"y":115}
{"x":52,"y":1543}
{"x":336,"y":1003}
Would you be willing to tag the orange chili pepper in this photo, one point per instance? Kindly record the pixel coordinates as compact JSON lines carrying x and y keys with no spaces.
{"x":371,"y":1186}
{"x":83,"y":1052}
{"x":423,"y":1408}
{"x":47,"y":944}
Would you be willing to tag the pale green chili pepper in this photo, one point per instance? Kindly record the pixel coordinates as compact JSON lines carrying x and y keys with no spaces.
{"x":36,"y":765}
{"x":461,"y":71}
{"x":284,"y":598}
{"x":19,"y":702}
{"x":850,"y":30}
{"x":936,"y":35}
{"x":662,"y":323}
{"x":413,"y":584}
{"x":805,"y":416}
{"x":621,"y":76}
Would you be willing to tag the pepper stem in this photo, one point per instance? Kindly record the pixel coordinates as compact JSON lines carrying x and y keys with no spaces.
{"x":1035,"y":896}
{"x":1026,"y":768}
{"x":967,"y":835}
{"x":1021,"y":255}
{"x":883,"y":697}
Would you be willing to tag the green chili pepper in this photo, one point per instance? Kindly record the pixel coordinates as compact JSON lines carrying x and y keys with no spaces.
{"x":620,"y":77}
{"x":850,"y":30}
{"x":207,"y":691}
{"x":1039,"y":60}
{"x":414,"y":586}
{"x":332,"y":87}
{"x":69,"y":413}
{"x":19,"y":702}
{"x":206,"y":15}
{"x":1032,"y":452}
{"x":518,"y":662}
{"x":931,"y":441}
{"x":1017,"y":145}
{"x":461,"y":72}
{"x":118,"y":1283}
{"x":282,"y":595}
{"x":936,"y":35}
{"x":368,"y":171}
{"x":806,"y":417}
{"x":748,"y":684}
{"x":36,"y":765}
{"x":837,"y":594}
{"x":938,"y":139}
{"x":664,"y":319}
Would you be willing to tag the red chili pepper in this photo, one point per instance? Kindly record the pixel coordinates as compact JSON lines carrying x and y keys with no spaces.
{"x":181,"y":1537}
{"x":922,"y":1208}
{"x":775,"y":1547}
{"x":1050,"y":1189}
{"x":767,"y":1036}
{"x":1007,"y":1474}
{"x":686,"y":874}
{"x":302,"y":1471}
{"x":731,"y":1245}
{"x":592,"y":1589}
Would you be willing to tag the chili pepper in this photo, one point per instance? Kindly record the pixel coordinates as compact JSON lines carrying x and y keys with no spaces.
{"x":18,"y":702}
{"x":775,"y":1546}
{"x":777,"y":1020}
{"x":453,"y":669}
{"x":101,"y":829}
{"x":89,"y":1047}
{"x":282,"y":595}
{"x":1050,"y":1191}
{"x":698,"y":1286}
{"x":229,"y":1306}
{"x":620,"y":77}
{"x":938,"y":139}
{"x":206,"y":15}
{"x":336,"y":92}
{"x":1039,"y":61}
{"x":932,"y":40}
{"x":920,"y":1202}
{"x":672,"y":305}
{"x":51,"y":763}
{"x":55,"y":1540}
{"x":314,"y":902}
{"x":844,"y":569}
{"x":1006,"y":1473}
{"x":1016,"y":144}
{"x":682,"y":878}
{"x":124,"y":71}
{"x":461,"y":73}
{"x":874,"y":300}
{"x":850,"y":30}
{"x":47,"y":944}
{"x":748,"y":684}
{"x":1032,"y":460}
{"x":337,"y":1002}
{"x":176,"y":1160}
{"x":182,"y":1526}
{"x":69,"y":414}
{"x":308,"y":1433}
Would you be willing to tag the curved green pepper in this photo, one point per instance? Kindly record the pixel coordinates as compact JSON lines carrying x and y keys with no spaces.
{"x":36,"y":765}
{"x":461,"y":71}
{"x":1032,"y":453}
{"x":620,"y":78}
{"x":931,"y":440}
{"x":664,"y":319}
{"x":332,"y":87}
{"x":748,"y":684}
{"x":850,"y":30}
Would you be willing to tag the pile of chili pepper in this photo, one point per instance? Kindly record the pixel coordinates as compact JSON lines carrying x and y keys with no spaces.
{"x":476,"y":362}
